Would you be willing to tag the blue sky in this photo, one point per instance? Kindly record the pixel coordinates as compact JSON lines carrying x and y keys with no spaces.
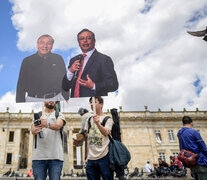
{"x":11,"y":57}
{"x":158,"y":64}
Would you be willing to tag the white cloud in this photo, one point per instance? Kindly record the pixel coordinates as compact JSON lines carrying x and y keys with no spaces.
{"x":8,"y":100}
{"x":111,"y":101}
{"x":1,"y":67}
{"x":155,"y":59}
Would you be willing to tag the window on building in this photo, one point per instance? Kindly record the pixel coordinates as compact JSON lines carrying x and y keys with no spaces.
{"x":171,"y":135}
{"x":11,"y":136}
{"x":175,"y":154}
{"x":162,"y":156}
{"x":9,"y":158}
{"x":158,"y":135}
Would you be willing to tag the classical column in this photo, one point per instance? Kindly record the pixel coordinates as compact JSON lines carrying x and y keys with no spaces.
{"x":70,"y":149}
{"x":17,"y":141}
{"x":30,"y":148}
{"x":152,"y":143}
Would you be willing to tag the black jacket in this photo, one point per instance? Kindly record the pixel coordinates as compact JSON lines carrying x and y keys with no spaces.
{"x":39,"y":77}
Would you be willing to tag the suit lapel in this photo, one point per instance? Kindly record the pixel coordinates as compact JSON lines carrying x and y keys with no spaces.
{"x":90,"y":62}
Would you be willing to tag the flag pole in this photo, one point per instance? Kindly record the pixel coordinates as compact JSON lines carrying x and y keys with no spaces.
{"x":94,"y":105}
{"x":43,"y":109}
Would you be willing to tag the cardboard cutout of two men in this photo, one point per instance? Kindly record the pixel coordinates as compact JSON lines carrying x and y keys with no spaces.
{"x":43,"y":75}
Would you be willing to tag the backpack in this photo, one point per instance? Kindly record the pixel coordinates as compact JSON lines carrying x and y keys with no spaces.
{"x":188,"y":158}
{"x":115,"y":131}
{"x":119,"y":155}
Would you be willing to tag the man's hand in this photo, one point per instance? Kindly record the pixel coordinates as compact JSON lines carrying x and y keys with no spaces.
{"x":88,"y":83}
{"x":43,"y":123}
{"x":96,"y":119}
{"x":75,"y":66}
{"x":101,"y":128}
{"x":86,"y":160}
{"x":36,"y":129}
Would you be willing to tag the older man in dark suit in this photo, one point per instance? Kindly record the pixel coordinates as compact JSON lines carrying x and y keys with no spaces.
{"x":41,"y":74}
{"x":91,"y":73}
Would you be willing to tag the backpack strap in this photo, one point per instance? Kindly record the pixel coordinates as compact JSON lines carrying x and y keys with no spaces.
{"x":103,"y":122}
{"x":56,"y":114}
{"x":89,"y":123}
{"x":179,"y":137}
{"x":35,"y":146}
{"x":61,"y":129}
{"x":35,"y":141}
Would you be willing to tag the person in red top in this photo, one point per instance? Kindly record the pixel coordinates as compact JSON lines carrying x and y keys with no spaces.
{"x":175,"y":163}
{"x":29,"y":173}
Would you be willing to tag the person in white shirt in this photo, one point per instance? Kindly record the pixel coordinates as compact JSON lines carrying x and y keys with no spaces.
{"x":148,"y":168}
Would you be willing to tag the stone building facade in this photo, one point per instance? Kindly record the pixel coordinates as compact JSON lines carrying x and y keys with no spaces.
{"x":147,"y":134}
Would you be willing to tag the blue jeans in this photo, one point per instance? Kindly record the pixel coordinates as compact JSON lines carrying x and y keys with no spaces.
{"x":40,"y":168}
{"x":96,"y":167}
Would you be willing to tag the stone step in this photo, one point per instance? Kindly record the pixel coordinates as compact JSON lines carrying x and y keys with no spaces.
{"x":84,"y":178}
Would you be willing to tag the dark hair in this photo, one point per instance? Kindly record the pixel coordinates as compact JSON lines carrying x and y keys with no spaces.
{"x":82,"y":111}
{"x":46,"y":35}
{"x":99,"y":98}
{"x":83,"y":30}
{"x":187,"y":120}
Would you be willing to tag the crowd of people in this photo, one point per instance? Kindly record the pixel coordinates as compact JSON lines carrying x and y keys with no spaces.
{"x":47,"y":157}
{"x":191,"y":141}
{"x":16,"y":173}
{"x":175,"y":164}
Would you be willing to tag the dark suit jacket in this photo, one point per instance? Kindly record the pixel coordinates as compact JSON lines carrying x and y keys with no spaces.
{"x":100,"y":69}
